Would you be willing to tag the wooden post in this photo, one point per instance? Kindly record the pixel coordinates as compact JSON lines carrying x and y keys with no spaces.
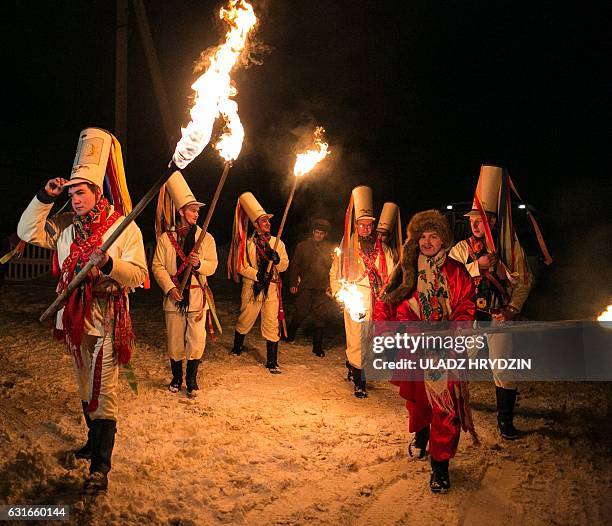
{"x":121,"y":68}
{"x":153,"y":63}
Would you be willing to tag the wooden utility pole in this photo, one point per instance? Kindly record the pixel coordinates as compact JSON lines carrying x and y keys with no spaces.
{"x":156,"y":76}
{"x":121,"y":63}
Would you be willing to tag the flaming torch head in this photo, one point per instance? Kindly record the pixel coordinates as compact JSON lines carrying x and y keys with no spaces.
{"x":605,"y":318}
{"x":353,"y":302}
{"x":214,"y":91}
{"x":306,"y":161}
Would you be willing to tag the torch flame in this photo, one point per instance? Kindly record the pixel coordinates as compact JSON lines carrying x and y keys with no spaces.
{"x":214,"y":91}
{"x":606,"y":315}
{"x":352,"y":299}
{"x":306,"y":161}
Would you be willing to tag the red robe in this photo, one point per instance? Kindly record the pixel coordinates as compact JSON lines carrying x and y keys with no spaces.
{"x":445,"y":427}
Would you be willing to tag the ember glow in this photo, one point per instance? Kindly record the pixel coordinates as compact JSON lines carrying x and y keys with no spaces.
{"x":352,"y":299}
{"x":306,"y":161}
{"x":214,"y":91}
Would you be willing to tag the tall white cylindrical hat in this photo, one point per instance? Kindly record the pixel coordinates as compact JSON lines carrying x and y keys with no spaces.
{"x":388,"y":217}
{"x":362,"y":203}
{"x":487,"y":190}
{"x":179,"y":191}
{"x":251,"y":206}
{"x":91,"y":157}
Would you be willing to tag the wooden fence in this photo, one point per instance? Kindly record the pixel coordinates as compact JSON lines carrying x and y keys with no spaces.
{"x":35,"y":263}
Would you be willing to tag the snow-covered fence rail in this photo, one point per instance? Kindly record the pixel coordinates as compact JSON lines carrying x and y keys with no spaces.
{"x":34,"y":263}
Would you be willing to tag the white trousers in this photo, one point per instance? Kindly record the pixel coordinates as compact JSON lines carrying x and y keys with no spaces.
{"x":356,"y":336}
{"x":500,"y":346}
{"x":98,"y":351}
{"x":250,"y":309}
{"x":186,"y":335}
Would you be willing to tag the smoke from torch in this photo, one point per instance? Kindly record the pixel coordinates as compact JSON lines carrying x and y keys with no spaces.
{"x":214,"y":92}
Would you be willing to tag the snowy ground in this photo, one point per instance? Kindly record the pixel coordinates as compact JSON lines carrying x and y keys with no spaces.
{"x":295,"y":448}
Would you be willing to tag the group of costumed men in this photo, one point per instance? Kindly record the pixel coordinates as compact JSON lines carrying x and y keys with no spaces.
{"x":474,"y":281}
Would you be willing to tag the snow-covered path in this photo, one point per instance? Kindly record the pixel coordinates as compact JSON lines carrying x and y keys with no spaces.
{"x":295,"y":448}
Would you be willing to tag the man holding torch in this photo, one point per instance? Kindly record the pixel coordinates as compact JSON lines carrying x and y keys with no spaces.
{"x":95,"y":322}
{"x":248,"y":260}
{"x":365,"y":263}
{"x":186,"y":312}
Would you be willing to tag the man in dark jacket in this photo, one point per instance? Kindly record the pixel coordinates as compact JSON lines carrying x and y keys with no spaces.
{"x":309,"y":279}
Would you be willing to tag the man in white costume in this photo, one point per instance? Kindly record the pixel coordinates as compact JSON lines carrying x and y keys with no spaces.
{"x":95,"y":321}
{"x":185,"y":313}
{"x":367,"y":263}
{"x":249,"y":259}
{"x":501,"y":277}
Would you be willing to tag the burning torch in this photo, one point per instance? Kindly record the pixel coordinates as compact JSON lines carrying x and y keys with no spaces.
{"x":304,"y":163}
{"x":213,"y":98}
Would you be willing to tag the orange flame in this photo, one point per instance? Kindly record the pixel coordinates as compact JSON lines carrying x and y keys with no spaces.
{"x":352,"y":299}
{"x":606,"y":315}
{"x":214,"y":92}
{"x":306,"y":161}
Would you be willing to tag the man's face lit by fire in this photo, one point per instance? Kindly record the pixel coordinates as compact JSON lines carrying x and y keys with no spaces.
{"x":263,"y":224}
{"x":383,"y":235}
{"x":189,"y":214}
{"x":83,"y":197}
{"x":319,"y":235}
{"x":477,"y":225}
{"x":430,"y":243}
{"x":364,"y":227}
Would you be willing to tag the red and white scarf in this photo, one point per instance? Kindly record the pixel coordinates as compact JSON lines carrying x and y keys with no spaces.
{"x":89,"y":231}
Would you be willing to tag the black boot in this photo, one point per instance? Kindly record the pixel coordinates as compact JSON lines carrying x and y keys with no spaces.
{"x":85,"y":451}
{"x":177,"y":376}
{"x":506,"y":398}
{"x":439,"y":481}
{"x":291,"y":332}
{"x":317,"y":342}
{"x":349,"y":371}
{"x":238,"y":342}
{"x":103,"y":441}
{"x":272,"y":357}
{"x":191,"y":378}
{"x":418,"y":447}
{"x":359,"y":383}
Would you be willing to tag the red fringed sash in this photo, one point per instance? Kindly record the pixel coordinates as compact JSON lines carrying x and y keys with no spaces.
{"x":184,"y":264}
{"x":79,"y":304}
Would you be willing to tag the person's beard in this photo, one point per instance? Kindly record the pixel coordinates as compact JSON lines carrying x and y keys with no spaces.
{"x":367,"y":244}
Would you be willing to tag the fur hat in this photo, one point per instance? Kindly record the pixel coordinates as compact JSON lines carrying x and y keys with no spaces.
{"x":403,"y":277}
{"x":430,"y":221}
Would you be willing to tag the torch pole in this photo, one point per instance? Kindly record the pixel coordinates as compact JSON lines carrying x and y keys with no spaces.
{"x":136,"y":211}
{"x":209,"y":214}
{"x":282,"y":224}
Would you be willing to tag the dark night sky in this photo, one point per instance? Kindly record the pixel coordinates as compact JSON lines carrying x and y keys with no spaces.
{"x":414,"y":96}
